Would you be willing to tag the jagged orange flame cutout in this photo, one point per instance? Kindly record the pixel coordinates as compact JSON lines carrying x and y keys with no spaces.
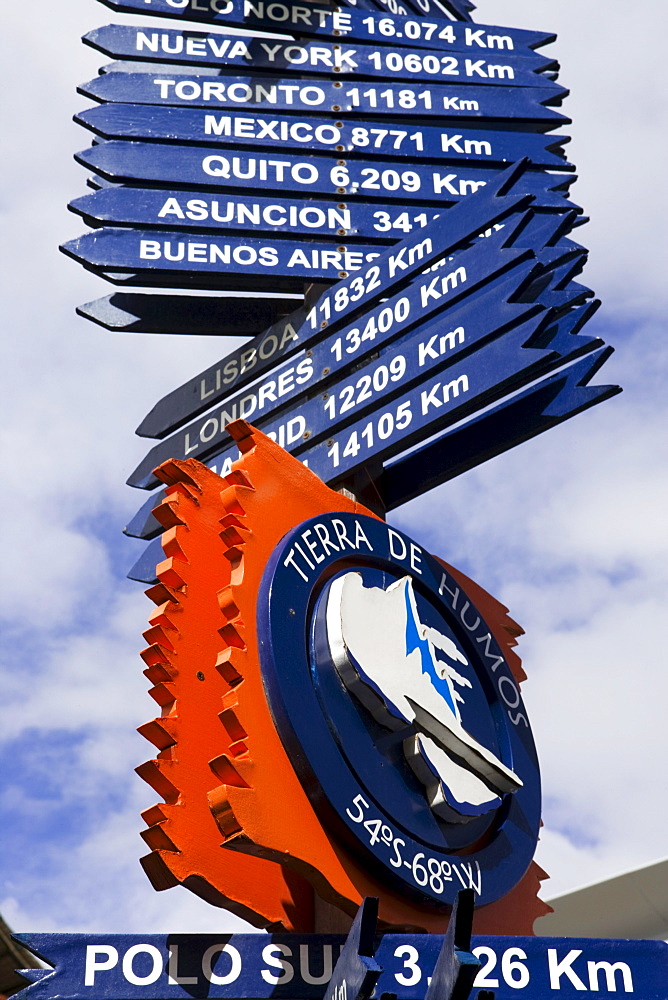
{"x":236,"y":826}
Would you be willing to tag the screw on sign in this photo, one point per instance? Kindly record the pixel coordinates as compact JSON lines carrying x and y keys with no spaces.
{"x":308,"y":645}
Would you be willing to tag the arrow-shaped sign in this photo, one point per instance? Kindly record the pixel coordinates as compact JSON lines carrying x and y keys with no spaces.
{"x":500,"y":367}
{"x":549,"y":966}
{"x":397,"y":269}
{"x":398,"y":265}
{"x":329,"y":354}
{"x":287,"y":173}
{"x":208,"y":316}
{"x":358,"y":137}
{"x":346,"y":346}
{"x":525,"y":106}
{"x":500,"y":428}
{"x":221,"y":259}
{"x":512,"y":421}
{"x":462,"y":337}
{"x":395,"y":365}
{"x":198,"y":210}
{"x":134,"y":312}
{"x":227,"y":53}
{"x":337,"y":23}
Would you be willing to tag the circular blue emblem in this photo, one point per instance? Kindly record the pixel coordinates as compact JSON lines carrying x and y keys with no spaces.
{"x":398,"y":710}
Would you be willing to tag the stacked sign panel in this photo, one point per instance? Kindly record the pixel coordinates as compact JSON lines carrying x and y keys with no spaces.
{"x":356,"y":147}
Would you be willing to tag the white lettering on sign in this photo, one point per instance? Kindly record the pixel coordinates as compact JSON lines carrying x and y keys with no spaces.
{"x":614,"y":974}
{"x":270,"y":955}
{"x":508,"y":690}
{"x":128,"y":964}
{"x":108,"y":956}
{"x":254,"y":168}
{"x":208,"y":963}
{"x":279,"y":131}
{"x":211,"y":90}
{"x":412,"y":554}
{"x":440,"y":286}
{"x":568,"y":970}
{"x":155,"y":41}
{"x":484,"y":41}
{"x":173,"y":977}
{"x":317,"y":543}
{"x":408,"y":255}
{"x":207,"y":253}
{"x":460,"y":189}
{"x":441,"y":393}
{"x":457,"y":144}
{"x":247,"y":360}
{"x":439,"y":344}
{"x":241,"y":214}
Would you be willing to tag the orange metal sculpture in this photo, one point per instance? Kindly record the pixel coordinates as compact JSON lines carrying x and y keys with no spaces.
{"x":235,"y":825}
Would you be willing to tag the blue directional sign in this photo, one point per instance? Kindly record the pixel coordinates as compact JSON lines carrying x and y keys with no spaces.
{"x":288,"y":173}
{"x":228,"y":53}
{"x":234,"y":966}
{"x":359,"y":137}
{"x":469,"y":269}
{"x":340,"y":23}
{"x":502,"y":366}
{"x":208,"y":316}
{"x":487,"y":207}
{"x":500,"y":428}
{"x":395,"y":365}
{"x":221,"y":259}
{"x":489,"y":368}
{"x":526,"y":107}
{"x":212,"y":316}
{"x":329,"y":357}
{"x":141,"y":207}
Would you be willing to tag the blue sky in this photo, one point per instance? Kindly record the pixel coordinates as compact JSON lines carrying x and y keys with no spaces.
{"x":567,"y":530}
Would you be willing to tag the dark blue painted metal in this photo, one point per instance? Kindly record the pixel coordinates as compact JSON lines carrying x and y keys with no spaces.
{"x":228,"y":53}
{"x":524,"y":415}
{"x":332,"y":353}
{"x":456,"y":967}
{"x":400,"y":363}
{"x":356,"y":971}
{"x":143,"y":570}
{"x":486,"y":369}
{"x":385,"y":180}
{"x":316,"y":718}
{"x":209,"y":316}
{"x":499,"y":368}
{"x":647,"y":962}
{"x":380,"y":29}
{"x":202,"y":210}
{"x":222,"y":258}
{"x":524,"y":106}
{"x":298,"y":331}
{"x":360,"y":138}
{"x":506,"y":425}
